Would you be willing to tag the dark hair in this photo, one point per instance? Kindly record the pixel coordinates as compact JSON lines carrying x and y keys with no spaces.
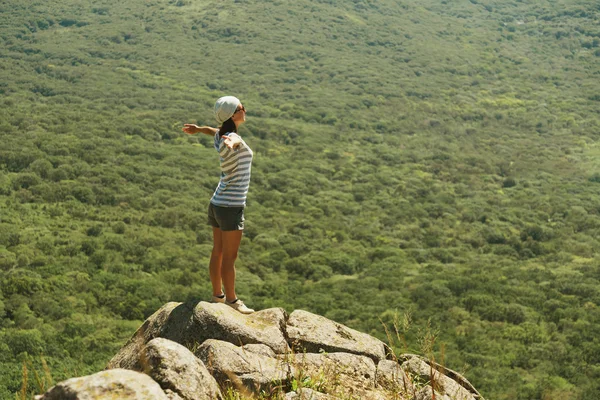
{"x":228,"y":126}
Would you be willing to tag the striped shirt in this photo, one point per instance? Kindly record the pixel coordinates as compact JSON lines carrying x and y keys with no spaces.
{"x":235,"y":173}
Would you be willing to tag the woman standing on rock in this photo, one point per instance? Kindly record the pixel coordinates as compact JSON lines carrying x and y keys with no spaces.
{"x":226,"y":208}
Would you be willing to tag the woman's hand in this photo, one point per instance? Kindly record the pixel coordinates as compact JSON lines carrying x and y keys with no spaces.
{"x":232,"y":142}
{"x":190,"y":129}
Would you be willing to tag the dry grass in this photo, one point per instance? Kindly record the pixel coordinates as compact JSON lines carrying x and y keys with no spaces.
{"x":43,"y":381}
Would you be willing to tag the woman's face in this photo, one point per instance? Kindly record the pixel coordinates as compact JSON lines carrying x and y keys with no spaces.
{"x":239,"y":116}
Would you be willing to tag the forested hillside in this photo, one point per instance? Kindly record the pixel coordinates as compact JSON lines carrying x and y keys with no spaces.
{"x":437,"y":159}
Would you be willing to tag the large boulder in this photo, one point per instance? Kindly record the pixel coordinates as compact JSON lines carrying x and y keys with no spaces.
{"x":107,"y":385}
{"x":244,"y":369}
{"x":178,"y":371}
{"x":313,"y":333}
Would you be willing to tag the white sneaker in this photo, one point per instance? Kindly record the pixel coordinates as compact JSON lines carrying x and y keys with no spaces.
{"x":240,"y":306}
{"x":216,"y":299}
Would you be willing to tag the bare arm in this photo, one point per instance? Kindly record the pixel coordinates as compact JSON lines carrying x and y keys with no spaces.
{"x":192,"y":129}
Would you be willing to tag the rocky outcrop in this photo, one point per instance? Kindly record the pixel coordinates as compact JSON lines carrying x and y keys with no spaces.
{"x":197,"y":350}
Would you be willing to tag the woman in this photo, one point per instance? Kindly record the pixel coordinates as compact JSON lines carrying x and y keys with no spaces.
{"x":226,"y":208}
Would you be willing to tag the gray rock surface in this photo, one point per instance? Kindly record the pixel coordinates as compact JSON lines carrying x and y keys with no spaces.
{"x":171,"y":395}
{"x":308,"y":394}
{"x":442,"y":383}
{"x":107,"y":385}
{"x":313,"y":333}
{"x":260,"y":349}
{"x":178,"y":371}
{"x":427,"y":393}
{"x":390,"y":375}
{"x":348,"y":375}
{"x":458,"y":378}
{"x":221,"y":322}
{"x":359,"y":370}
{"x":244,"y":369}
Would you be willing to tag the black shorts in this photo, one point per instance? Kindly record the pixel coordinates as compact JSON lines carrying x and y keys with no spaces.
{"x":226,"y":218}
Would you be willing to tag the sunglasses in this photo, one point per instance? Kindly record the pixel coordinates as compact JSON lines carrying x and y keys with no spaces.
{"x":240,"y":109}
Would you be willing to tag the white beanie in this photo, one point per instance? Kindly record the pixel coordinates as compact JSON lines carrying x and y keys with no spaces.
{"x":225,"y":108}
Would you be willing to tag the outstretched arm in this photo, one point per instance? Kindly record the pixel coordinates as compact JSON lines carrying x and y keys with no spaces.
{"x":192,"y":129}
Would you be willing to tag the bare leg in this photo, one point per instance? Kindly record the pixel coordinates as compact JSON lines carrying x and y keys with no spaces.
{"x":230,"y":241}
{"x":216,"y":258}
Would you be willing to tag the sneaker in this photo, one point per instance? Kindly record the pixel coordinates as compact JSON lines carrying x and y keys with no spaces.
{"x":240,"y":306}
{"x":217,"y":299}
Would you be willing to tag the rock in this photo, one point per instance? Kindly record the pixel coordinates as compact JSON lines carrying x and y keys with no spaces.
{"x":359,"y":370}
{"x":190,"y":324}
{"x":178,"y":371}
{"x":461,"y":380}
{"x":445,"y":385}
{"x":427,"y":393}
{"x":392,"y":377}
{"x":112,"y":384}
{"x":221,"y":322}
{"x":244,"y":370}
{"x":260,"y":349}
{"x":172,"y":395}
{"x":313,"y":333}
{"x":308,"y":394}
{"x":348,"y":374}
